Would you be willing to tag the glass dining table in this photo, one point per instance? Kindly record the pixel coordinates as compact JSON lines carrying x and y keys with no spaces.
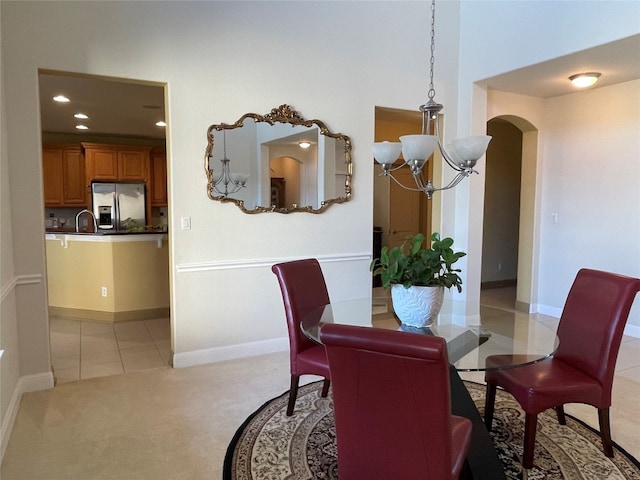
{"x":473,"y":332}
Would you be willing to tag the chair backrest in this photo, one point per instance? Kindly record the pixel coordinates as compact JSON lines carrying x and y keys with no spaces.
{"x":303,"y":290}
{"x":592,"y":323}
{"x":392,"y":394}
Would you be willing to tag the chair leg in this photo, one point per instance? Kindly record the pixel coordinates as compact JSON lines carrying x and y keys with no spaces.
{"x":293,"y":393}
{"x":325,"y":387}
{"x":489,"y":403}
{"x":605,"y":431}
{"x":530,"y":425}
{"x":562,"y":420}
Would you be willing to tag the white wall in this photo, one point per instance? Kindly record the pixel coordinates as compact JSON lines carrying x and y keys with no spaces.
{"x":588,"y":173}
{"x":497,"y":37}
{"x":219,"y":61}
{"x":591,"y":165}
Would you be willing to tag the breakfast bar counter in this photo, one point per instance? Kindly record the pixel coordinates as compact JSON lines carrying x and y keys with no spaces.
{"x":108,"y":277}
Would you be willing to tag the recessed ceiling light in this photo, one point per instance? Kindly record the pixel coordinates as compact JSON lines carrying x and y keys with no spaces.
{"x":161,"y":124}
{"x":82,"y":127}
{"x":81,"y":116}
{"x":304,"y":144}
{"x":584,"y":80}
{"x":61,"y":99}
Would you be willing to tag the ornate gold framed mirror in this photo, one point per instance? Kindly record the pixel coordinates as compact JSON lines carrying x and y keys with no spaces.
{"x":278,"y":162}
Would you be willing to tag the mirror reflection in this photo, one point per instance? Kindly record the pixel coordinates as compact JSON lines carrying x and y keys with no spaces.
{"x":278,"y":162}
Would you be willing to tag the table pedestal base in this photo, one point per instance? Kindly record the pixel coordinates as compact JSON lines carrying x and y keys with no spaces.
{"x":482,"y":460}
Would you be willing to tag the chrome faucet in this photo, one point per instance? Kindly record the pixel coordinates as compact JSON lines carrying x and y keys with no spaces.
{"x":95,"y":224}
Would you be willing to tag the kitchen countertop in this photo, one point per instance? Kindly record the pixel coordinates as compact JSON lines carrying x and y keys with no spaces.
{"x":104,"y":237}
{"x":71,"y":231}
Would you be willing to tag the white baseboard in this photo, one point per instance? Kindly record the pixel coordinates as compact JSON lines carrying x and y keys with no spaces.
{"x":632,"y":330}
{"x":219,"y":354}
{"x":546,"y":310}
{"x":29,"y":383}
{"x":629,"y":329}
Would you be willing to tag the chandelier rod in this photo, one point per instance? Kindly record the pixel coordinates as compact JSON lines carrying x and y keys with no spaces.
{"x":464,"y":152}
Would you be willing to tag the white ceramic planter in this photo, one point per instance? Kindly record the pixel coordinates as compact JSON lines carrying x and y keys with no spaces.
{"x":417,"y":306}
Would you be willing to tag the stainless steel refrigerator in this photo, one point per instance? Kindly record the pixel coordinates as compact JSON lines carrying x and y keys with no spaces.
{"x":119,"y":206}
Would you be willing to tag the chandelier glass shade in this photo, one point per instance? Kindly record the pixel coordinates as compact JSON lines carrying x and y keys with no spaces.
{"x":461,"y":155}
{"x":226,"y":182}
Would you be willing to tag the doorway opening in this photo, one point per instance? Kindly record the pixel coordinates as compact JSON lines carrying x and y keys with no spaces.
{"x":501,"y":206}
{"x":109,"y":296}
{"x":508,"y":223}
{"x":398,"y":212}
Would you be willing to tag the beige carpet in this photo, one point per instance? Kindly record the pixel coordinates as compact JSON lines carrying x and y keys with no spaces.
{"x":303,"y":446}
{"x":160,"y":424}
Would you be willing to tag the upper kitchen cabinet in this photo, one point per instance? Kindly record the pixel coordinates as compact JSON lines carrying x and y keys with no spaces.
{"x":158,"y":183}
{"x":116,"y":162}
{"x":63,"y":175}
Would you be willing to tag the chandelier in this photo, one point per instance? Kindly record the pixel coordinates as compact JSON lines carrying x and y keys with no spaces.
{"x":227,"y":183}
{"x":461,"y":154}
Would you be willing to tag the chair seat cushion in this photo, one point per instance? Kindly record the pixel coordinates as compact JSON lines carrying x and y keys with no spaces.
{"x":312,"y":361}
{"x":546,"y":384}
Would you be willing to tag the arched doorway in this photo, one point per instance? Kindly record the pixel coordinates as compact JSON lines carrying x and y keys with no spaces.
{"x":509,"y":247}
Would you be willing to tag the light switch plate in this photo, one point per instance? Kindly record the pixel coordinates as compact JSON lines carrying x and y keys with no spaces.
{"x":185,"y":223}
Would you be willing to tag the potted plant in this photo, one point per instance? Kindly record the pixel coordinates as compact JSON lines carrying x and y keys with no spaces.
{"x":417,"y":274}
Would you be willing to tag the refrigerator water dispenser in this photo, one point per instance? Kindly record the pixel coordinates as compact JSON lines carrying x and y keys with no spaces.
{"x":105,"y":216}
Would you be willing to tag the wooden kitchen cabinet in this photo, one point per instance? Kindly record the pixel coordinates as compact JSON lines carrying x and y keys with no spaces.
{"x":133,"y":164}
{"x":158,"y":183}
{"x":63,"y":176}
{"x":101,"y":163}
{"x":116,"y":162}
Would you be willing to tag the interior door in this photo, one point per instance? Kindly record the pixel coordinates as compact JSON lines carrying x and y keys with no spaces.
{"x":409,"y":212}
{"x":399,"y":212}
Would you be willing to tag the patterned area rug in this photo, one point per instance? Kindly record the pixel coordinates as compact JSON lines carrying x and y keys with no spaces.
{"x":272,"y":446}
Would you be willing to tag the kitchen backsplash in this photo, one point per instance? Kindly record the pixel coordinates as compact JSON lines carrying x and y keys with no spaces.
{"x":65,"y":218}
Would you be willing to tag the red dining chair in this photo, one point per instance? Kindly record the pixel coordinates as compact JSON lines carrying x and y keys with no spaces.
{"x":392,"y":405}
{"x":582,"y":369}
{"x":303,"y":290}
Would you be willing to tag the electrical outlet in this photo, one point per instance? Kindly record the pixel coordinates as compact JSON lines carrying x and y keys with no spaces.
{"x":104,"y":291}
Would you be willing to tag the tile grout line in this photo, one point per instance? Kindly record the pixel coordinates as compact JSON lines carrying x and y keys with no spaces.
{"x":154,"y":342}
{"x":80,"y":352}
{"x":115,"y":334}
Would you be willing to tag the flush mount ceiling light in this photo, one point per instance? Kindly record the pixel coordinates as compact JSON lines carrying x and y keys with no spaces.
{"x":82,"y":127}
{"x":461,"y":155}
{"x":304,"y":144}
{"x":81,"y":116}
{"x":61,"y":99}
{"x":161,"y":124}
{"x":584,"y":80}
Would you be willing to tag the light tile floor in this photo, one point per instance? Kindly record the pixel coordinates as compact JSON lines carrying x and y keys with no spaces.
{"x":85,"y":349}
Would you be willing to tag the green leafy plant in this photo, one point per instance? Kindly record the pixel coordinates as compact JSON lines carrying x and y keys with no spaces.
{"x":415,"y":263}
